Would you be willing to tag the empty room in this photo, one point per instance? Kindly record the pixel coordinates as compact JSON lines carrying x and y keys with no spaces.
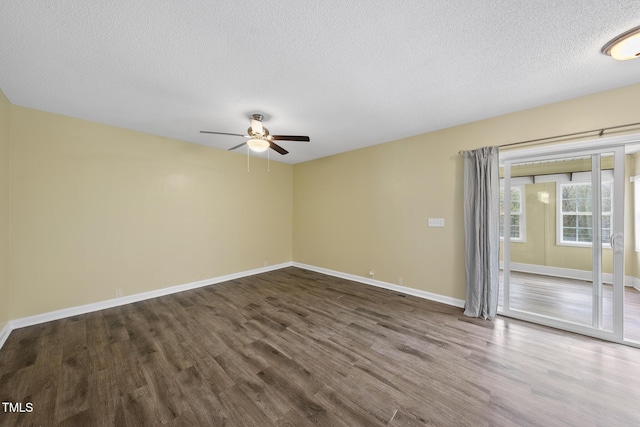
{"x":333,"y":213}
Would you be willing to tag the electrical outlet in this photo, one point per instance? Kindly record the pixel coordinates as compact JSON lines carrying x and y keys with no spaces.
{"x":371,"y":274}
{"x":118,"y":292}
{"x":400,"y":281}
{"x":266,"y":262}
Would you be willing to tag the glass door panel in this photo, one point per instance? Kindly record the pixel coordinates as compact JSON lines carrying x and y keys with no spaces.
{"x":632,"y":245}
{"x":557,"y":222}
{"x":603,"y":289}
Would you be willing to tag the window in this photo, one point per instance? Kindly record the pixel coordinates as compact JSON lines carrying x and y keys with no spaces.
{"x":517,"y":231}
{"x":575,"y":213}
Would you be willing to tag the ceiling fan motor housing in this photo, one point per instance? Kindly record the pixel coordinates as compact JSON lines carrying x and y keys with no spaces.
{"x":264,"y":134}
{"x":256,"y":129}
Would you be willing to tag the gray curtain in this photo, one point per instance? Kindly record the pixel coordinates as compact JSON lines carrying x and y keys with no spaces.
{"x":482,"y":235}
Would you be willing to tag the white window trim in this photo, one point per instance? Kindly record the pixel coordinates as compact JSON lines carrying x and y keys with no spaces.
{"x":577,"y":180}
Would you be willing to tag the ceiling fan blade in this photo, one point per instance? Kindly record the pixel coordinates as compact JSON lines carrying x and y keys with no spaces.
{"x":277,"y":148}
{"x":222,"y":133}
{"x":290,"y":138}
{"x":237,"y":146}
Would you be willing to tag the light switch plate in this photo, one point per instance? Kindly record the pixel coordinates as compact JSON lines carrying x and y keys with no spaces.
{"x":436,"y":222}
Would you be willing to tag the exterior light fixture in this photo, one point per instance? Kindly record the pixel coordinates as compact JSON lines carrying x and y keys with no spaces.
{"x":625,"y":46}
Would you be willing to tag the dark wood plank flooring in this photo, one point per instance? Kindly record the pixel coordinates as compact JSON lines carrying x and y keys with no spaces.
{"x":295,"y":348}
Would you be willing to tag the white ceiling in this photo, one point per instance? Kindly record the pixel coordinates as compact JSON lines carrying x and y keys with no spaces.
{"x":347,"y":73}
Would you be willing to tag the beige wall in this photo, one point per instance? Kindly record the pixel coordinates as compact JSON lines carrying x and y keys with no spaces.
{"x":95,"y":208}
{"x":5,"y":296}
{"x":368,"y":209}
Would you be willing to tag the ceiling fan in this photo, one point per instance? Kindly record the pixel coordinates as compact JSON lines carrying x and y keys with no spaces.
{"x":259,"y":137}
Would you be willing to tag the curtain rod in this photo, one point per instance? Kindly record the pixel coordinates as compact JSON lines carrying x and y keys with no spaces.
{"x":600,"y":131}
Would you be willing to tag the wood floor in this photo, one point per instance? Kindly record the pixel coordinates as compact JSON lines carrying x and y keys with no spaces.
{"x":295,"y":348}
{"x":571,"y":300}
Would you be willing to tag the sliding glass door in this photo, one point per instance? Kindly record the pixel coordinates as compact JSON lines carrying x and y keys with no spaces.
{"x":562,"y":240}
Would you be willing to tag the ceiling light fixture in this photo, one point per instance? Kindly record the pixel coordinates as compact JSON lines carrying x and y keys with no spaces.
{"x":625,"y":46}
{"x":258,"y":145}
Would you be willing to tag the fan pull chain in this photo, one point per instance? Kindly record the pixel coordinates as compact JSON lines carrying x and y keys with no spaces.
{"x":248,"y":170}
{"x":268,"y":160}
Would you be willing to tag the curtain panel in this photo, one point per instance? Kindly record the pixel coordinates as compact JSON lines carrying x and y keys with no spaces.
{"x":482,"y":235}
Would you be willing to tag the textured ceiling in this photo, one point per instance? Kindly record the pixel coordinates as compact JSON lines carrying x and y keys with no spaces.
{"x":347,"y":73}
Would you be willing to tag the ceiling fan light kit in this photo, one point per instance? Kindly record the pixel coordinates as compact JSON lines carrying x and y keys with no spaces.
{"x":259,"y":137}
{"x":625,"y":46}
{"x":258,"y":145}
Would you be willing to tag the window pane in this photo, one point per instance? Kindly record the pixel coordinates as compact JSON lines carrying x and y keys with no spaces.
{"x":578,"y":198}
{"x":583,"y":191}
{"x":569,"y":220}
{"x":515,"y":200}
{"x":569,"y":234}
{"x":584,"y":235}
{"x":606,"y":229}
{"x":515,"y":208}
{"x":568,"y":192}
{"x":585,"y":221}
{"x":515,"y":227}
{"x":568,"y":206}
{"x":583,"y":205}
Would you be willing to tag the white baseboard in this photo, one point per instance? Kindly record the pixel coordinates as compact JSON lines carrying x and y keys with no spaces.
{"x":4,"y":333}
{"x":101,"y":305}
{"x":88,"y":308}
{"x":380,"y":284}
{"x":568,"y":273}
